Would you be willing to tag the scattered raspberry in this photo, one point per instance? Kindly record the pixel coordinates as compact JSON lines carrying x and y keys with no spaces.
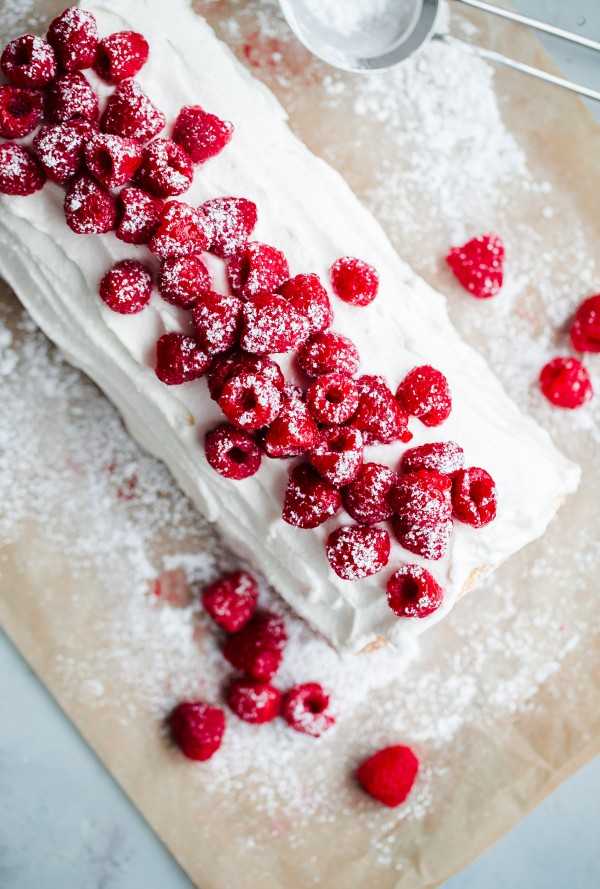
{"x":309,"y":499}
{"x":237,"y":362}
{"x":232,"y":452}
{"x":28,"y":62}
{"x":422,"y":497}
{"x":309,"y":297}
{"x":202,"y":135}
{"x":430,"y":541}
{"x":332,"y":399}
{"x":140,"y":216}
{"x":20,"y":111}
{"x":59,"y":148}
{"x":89,"y":208}
{"x":566,"y":383}
{"x":126,"y":287}
{"x":182,"y":279}
{"x":354,"y":281}
{"x":20,"y":173}
{"x":413,"y":592}
{"x":182,"y":230}
{"x":367,"y":498}
{"x":217,"y":320}
{"x":478,"y":265}
{"x":585,"y":330}
{"x":71,"y":97}
{"x":389,"y":775}
{"x":271,"y":324}
{"x":254,"y":701}
{"x":294,"y":431}
{"x":165,"y":170}
{"x":440,"y":456}
{"x":112,"y":160}
{"x":328,"y":352}
{"x":179,"y":359}
{"x":197,"y":729}
{"x":378,"y":415}
{"x":231,"y":600}
{"x":257,"y":268}
{"x":130,"y":113}
{"x":74,"y":37}
{"x":355,"y":551}
{"x":250,"y":401}
{"x":474,"y":497}
{"x":338,"y":455}
{"x":305,"y":709}
{"x":120,"y":56}
{"x":425,"y":394}
{"x":233,"y":221}
{"x":257,"y":649}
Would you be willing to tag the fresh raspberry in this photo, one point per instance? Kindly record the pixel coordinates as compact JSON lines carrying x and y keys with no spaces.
{"x":271,"y":324}
{"x":332,"y":399}
{"x":328,"y":352}
{"x":309,"y":499}
{"x":197,"y":729}
{"x":165,"y":170}
{"x":20,"y":111}
{"x":140,"y":216}
{"x":422,"y":498}
{"x":474,"y":497}
{"x":28,"y":62}
{"x":120,"y":56}
{"x":112,"y":160}
{"x":425,"y":394}
{"x":217,"y":320}
{"x":338,"y":455}
{"x":182,"y":230}
{"x":440,"y":456}
{"x":250,"y":401}
{"x":179,"y":359}
{"x":254,"y":701}
{"x":59,"y":148}
{"x":294,"y":431}
{"x":181,"y":279}
{"x":355,"y":551}
{"x":231,"y":600}
{"x":305,"y":709}
{"x":257,"y":268}
{"x":367,"y":498}
{"x":20,"y":173}
{"x":389,"y":775}
{"x":74,"y":37}
{"x":233,"y":221}
{"x":202,"y":135}
{"x":236,"y":362}
{"x":478,"y":265}
{"x":130,"y":113}
{"x":257,"y":649}
{"x":430,"y":541}
{"x":71,"y":97}
{"x":309,"y":297}
{"x":413,"y":592}
{"x":378,"y":415}
{"x":232,"y":452}
{"x":89,"y":208}
{"x":126,"y":287}
{"x":566,"y":383}
{"x":585,"y":329}
{"x":354,"y":281}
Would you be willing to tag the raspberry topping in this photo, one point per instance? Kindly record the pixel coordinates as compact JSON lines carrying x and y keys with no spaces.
{"x":232,"y":452}
{"x":202,"y":135}
{"x":354,"y":281}
{"x":237,"y":362}
{"x":478,"y":265}
{"x":121,"y":55}
{"x":338,"y":455}
{"x":332,"y":399}
{"x":140,"y":216}
{"x":182,"y":230}
{"x":60,"y":149}
{"x":233,"y":221}
{"x":20,"y":173}
{"x":294,"y":431}
{"x":28,"y":62}
{"x":379,"y":416}
{"x":20,"y":111}
{"x":89,"y":208}
{"x":367,"y":498}
{"x":257,"y":268}
{"x":389,"y":775}
{"x":179,"y":359}
{"x":112,"y":159}
{"x":474,"y":497}
{"x":74,"y":37}
{"x":217,"y":321}
{"x":305,"y":709}
{"x":181,"y":279}
{"x":271,"y":324}
{"x":430,"y":541}
{"x":250,"y":401}
{"x":425,"y":394}
{"x":71,"y":97}
{"x":566,"y":383}
{"x":257,"y":649}
{"x":231,"y":600}
{"x":328,"y":352}
{"x":309,"y":499}
{"x":413,"y":592}
{"x":254,"y":701}
{"x":585,"y":330}
{"x":165,"y":170}
{"x":440,"y":456}
{"x":126,"y":287}
{"x":423,"y":497}
{"x":197,"y":729}
{"x":130,"y":113}
{"x":355,"y":551}
{"x":309,"y":297}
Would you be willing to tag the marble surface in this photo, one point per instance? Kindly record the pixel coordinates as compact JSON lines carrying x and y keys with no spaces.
{"x":65,"y":824}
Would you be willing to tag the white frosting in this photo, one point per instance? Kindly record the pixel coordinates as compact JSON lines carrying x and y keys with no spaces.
{"x":307,"y":210}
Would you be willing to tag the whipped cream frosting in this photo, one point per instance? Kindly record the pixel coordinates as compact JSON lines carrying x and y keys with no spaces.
{"x":306,"y":209}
